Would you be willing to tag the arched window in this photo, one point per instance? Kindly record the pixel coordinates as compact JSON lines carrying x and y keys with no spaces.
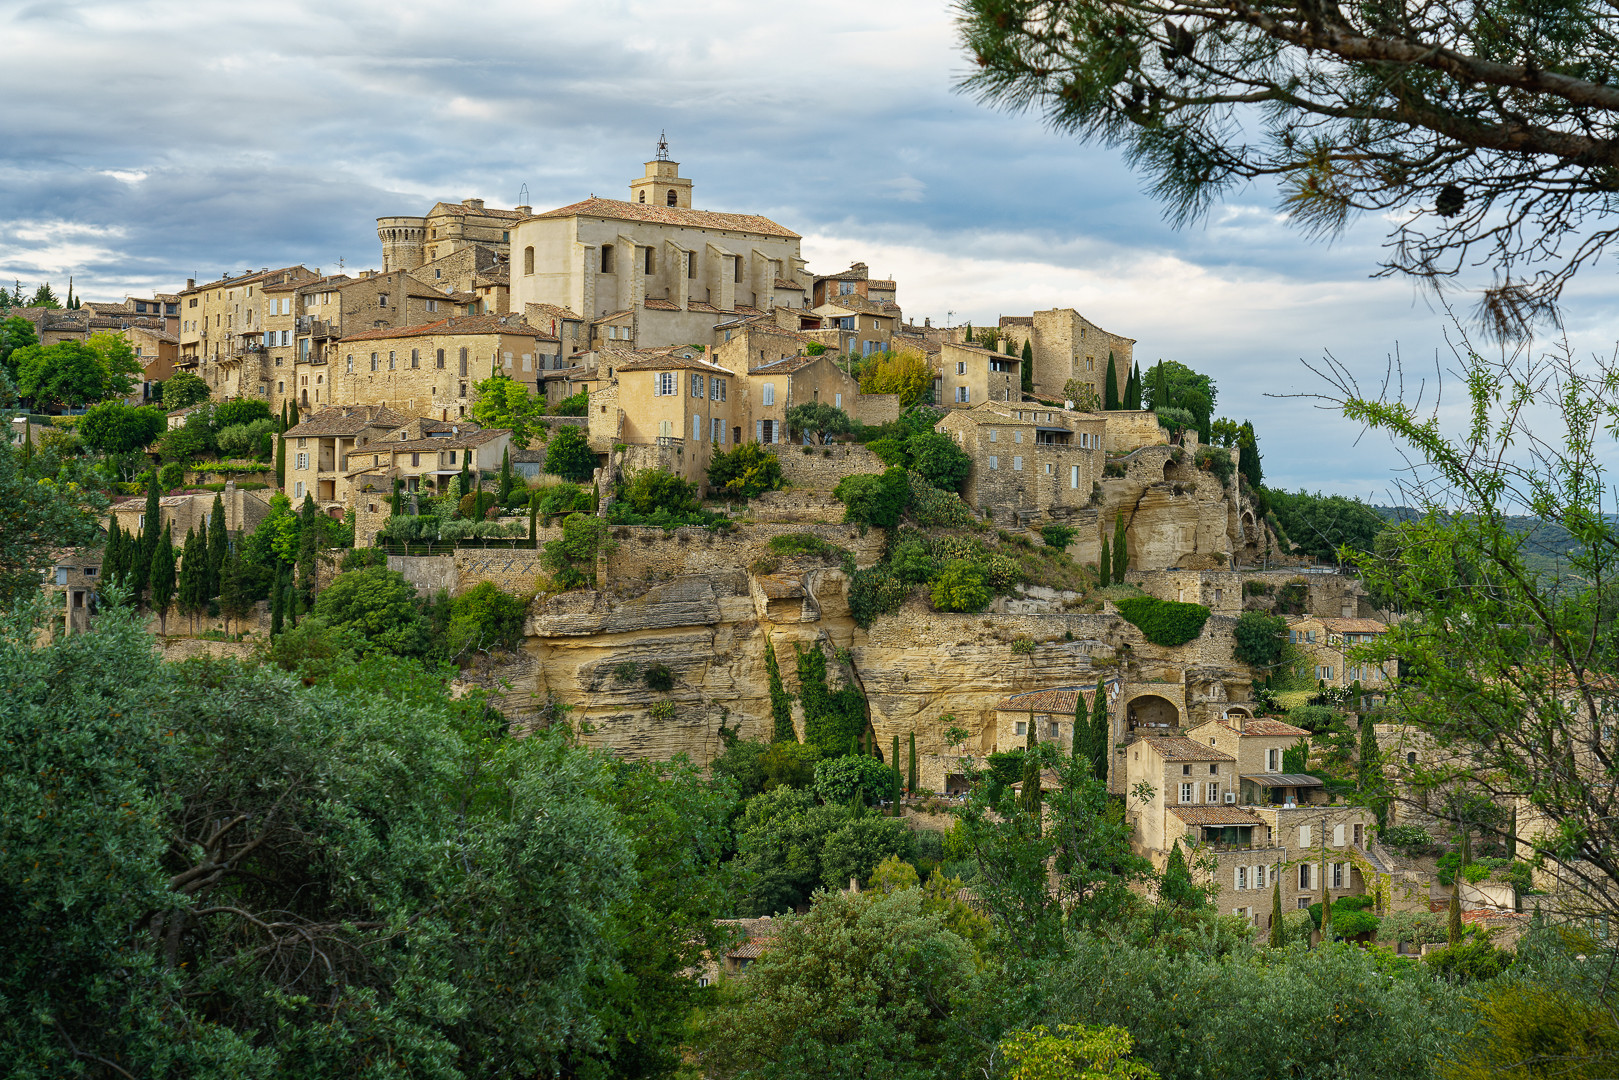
{"x":672,"y":198}
{"x":528,"y":260}
{"x":643,"y":196}
{"x":607,"y":258}
{"x":440,"y":358}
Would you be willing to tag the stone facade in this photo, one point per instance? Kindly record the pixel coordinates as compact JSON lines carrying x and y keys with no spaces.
{"x":1131,"y":429}
{"x":1329,"y":645}
{"x":674,"y":400}
{"x":1321,"y":592}
{"x":410,"y":242}
{"x":1066,"y":345}
{"x":188,"y":510}
{"x":223,"y":327}
{"x":970,"y":375}
{"x":673,"y":270}
{"x":1028,"y":463}
{"x":823,"y":466}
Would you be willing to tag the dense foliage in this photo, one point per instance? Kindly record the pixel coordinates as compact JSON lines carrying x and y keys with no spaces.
{"x":1164,"y":622}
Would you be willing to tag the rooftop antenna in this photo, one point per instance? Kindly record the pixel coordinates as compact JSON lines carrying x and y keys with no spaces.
{"x":663,"y":146}
{"x":522,"y":195}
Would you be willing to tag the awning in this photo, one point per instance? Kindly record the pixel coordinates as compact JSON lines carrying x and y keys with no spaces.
{"x":1282,"y":779}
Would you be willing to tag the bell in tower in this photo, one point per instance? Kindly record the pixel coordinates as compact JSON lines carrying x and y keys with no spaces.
{"x":662,"y":185}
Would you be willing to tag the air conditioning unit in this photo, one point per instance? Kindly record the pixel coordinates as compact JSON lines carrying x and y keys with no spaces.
{"x":1230,"y":796}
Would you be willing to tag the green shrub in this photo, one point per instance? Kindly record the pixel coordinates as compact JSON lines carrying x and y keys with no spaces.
{"x":913,"y":564}
{"x":238,"y":411}
{"x":939,"y":460}
{"x":663,"y":710}
{"x":171,"y":476}
{"x":1000,"y":572}
{"x":1023,"y":646}
{"x":798,"y":545}
{"x":891,"y":451}
{"x":1217,"y":461}
{"x":875,"y":591}
{"x":576,"y":405}
{"x":482,"y":619}
{"x":562,"y":498}
{"x":1058,"y":536}
{"x":939,"y":509}
{"x":1260,"y":639}
{"x":652,"y":490}
{"x":841,"y":780}
{"x":745,"y":472}
{"x":1164,"y":622}
{"x":874,"y":500}
{"x":1316,"y":719}
{"x":360,"y":558}
{"x":658,"y":677}
{"x":960,"y":586}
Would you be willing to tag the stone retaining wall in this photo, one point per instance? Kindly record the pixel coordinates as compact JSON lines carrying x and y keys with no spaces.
{"x":821,"y":471}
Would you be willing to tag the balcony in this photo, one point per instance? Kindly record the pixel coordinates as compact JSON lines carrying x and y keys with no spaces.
{"x":322,"y":329}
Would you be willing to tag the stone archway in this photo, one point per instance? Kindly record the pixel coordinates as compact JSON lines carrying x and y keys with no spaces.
{"x":1232,"y":712}
{"x":1152,"y":713}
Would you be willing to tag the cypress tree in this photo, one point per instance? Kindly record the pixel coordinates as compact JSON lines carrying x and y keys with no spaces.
{"x":218,"y":542}
{"x":1132,"y":399}
{"x":138,"y":566}
{"x":1121,"y":553}
{"x":398,"y":497}
{"x":281,"y":455}
{"x":161,"y":577}
{"x":151,"y":529}
{"x":898,"y":786}
{"x":1369,"y":776}
{"x":1101,"y":733}
{"x":193,"y":587}
{"x":465,"y":479}
{"x":202,"y":560}
{"x":27,"y":442}
{"x":1453,"y":915}
{"x":1248,"y":456}
{"x":1175,"y":888}
{"x":1276,"y":914}
{"x":110,"y":570}
{"x":1031,"y":775}
{"x":505,"y":477}
{"x":1110,"y":394}
{"x":911,"y":781}
{"x":278,"y":602}
{"x":969,"y":338}
{"x":1028,"y":367}
{"x":309,"y":537}
{"x":781,"y":702}
{"x":233,"y":597}
{"x":1104,"y":566}
{"x":293,"y":604}
{"x":1160,"y":387}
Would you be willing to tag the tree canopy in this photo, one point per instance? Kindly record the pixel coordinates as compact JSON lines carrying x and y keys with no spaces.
{"x":503,"y":402}
{"x":1482,"y":133}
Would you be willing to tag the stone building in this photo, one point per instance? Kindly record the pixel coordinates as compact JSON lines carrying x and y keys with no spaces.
{"x":969,"y":375}
{"x":1066,"y":345}
{"x":186,"y":510}
{"x":671,"y":270}
{"x":1328,"y":644}
{"x":72,"y":583}
{"x":1051,"y":712}
{"x":410,"y":242}
{"x":146,"y":309}
{"x":670,"y":409}
{"x":430,"y":369}
{"x":222,"y":327}
{"x":427,"y":455}
{"x":855,"y":281}
{"x":865,"y":326}
{"x":569,"y":327}
{"x":319,"y":447}
{"x":1027,"y":463}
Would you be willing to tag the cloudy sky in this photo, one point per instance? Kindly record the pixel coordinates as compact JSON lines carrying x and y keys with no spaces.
{"x":147,"y":142}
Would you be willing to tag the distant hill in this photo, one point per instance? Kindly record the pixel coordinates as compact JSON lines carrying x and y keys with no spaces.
{"x":1547,"y":548}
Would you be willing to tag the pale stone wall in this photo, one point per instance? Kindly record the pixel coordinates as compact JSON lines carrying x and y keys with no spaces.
{"x":243,"y":511}
{"x":423,"y":375}
{"x":875,"y":409}
{"x":1131,"y":429}
{"x":824,"y":466}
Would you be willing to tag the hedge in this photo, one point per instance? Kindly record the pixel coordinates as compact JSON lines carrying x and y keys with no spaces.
{"x":1164,"y":622}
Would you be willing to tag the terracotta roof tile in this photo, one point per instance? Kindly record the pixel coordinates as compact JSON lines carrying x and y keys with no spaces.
{"x":464,"y":441}
{"x":1060,"y":700}
{"x":1265,"y":727}
{"x":658,"y":303}
{"x":1354,"y":626}
{"x":671,"y":215}
{"x":247,"y":279}
{"x":552,"y":311}
{"x":654,"y":361}
{"x":785,"y":366}
{"x":1216,"y":815}
{"x":611,"y":315}
{"x":464,"y":324}
{"x":793,"y":286}
{"x":1180,"y":748}
{"x":348,"y":420}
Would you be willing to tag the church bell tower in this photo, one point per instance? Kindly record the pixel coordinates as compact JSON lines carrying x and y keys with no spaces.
{"x":662,"y":185}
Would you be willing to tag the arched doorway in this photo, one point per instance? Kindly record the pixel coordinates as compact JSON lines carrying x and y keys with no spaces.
{"x":1151,"y":714}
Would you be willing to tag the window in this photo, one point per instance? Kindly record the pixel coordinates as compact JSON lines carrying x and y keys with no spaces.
{"x":373,"y":361}
{"x":1360,"y":837}
{"x":736,"y":263}
{"x":961,"y":367}
{"x":647,"y":264}
{"x":607,"y":259}
{"x":1272,"y":760}
{"x":391,"y":360}
{"x":432,"y":305}
{"x":765,"y":431}
{"x":672,"y":198}
{"x":767,"y":394}
{"x":643,"y":199}
{"x":1073,"y":476}
{"x":439,"y":357}
{"x":1017,"y":463}
{"x":697,"y":429}
{"x":845,"y":288}
{"x":664,"y":384}
{"x":301,"y":461}
{"x":1188,"y":792}
{"x":961,"y":394}
{"x":1337,"y":875}
{"x":528,"y":361}
{"x":382,"y":300}
{"x":528,"y":260}
{"x":298,"y":489}
{"x":1309,"y":637}
{"x":1214,"y":793}
{"x":1186,"y":770}
{"x":716,"y":389}
{"x":698,"y":389}
{"x":1337,"y":836}
{"x":1323,"y":672}
{"x":415,"y":358}
{"x":994,"y":462}
{"x":665,"y":429}
{"x":507,"y":358}
{"x":837,"y":401}
{"x":1304,"y":878}
{"x":350,"y":364}
{"x":1241,"y":881}
{"x":61,"y":575}
{"x":1304,"y":836}
{"x":1055,"y":731}
{"x":1411,"y":757}
{"x":463,"y":359}
{"x":1021,"y":727}
{"x":992,"y":435}
{"x":717,"y":436}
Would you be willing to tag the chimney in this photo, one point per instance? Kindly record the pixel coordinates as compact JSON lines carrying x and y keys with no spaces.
{"x":1000,"y":346}
{"x":1242,"y":721}
{"x":191,"y":283}
{"x":472,"y":204}
{"x":928,"y":322}
{"x":524,"y":210}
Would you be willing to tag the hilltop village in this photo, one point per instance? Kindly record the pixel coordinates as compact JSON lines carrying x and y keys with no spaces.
{"x":731,"y":500}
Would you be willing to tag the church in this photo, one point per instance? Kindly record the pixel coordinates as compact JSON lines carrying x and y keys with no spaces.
{"x":651,"y":270}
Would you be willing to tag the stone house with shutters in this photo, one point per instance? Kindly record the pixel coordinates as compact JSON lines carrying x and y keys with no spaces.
{"x":855,"y":281}
{"x":671,"y":409}
{"x":1184,"y":790}
{"x":565,"y":325}
{"x":970,"y":375}
{"x":1050,"y":711}
{"x":430,"y":369}
{"x":1066,"y":345}
{"x":1028,"y":463}
{"x":319,"y":448}
{"x":864,"y":326}
{"x":1329,"y":643}
{"x":223,"y":327}
{"x":428,"y":455}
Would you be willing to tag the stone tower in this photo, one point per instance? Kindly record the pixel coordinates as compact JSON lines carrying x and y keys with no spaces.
{"x":662,"y":185}
{"x":403,"y":240}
